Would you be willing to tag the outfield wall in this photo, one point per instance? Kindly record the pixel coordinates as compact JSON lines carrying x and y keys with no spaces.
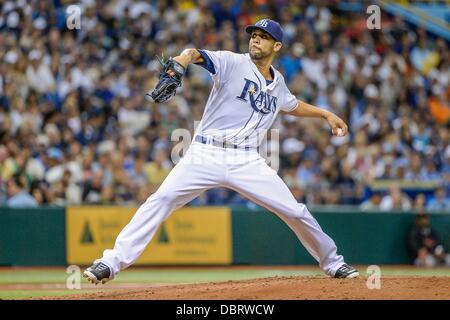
{"x":363,"y":238}
{"x":203,"y":236}
{"x":32,"y":237}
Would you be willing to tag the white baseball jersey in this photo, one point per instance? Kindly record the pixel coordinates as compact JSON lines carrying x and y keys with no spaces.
{"x":242,"y":106}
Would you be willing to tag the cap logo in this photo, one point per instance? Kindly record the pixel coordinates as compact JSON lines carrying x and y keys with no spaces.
{"x":262,"y":23}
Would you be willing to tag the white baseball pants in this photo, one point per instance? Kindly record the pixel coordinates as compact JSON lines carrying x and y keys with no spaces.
{"x":205,"y":167}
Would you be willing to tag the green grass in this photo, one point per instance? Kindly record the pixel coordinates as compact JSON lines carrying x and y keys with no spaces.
{"x":59,"y":276}
{"x":172,"y":275}
{"x":26,"y":294}
{"x":24,"y":276}
{"x":32,"y":276}
{"x":419,"y":272}
{"x":151,"y":275}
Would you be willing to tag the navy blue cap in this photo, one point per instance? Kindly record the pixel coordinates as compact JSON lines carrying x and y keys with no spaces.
{"x":271,"y":27}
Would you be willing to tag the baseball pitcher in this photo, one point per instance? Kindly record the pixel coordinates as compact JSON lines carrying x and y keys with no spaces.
{"x":247,"y":95}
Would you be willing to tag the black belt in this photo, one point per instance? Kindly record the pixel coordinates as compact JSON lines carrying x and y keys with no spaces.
{"x":217,"y":143}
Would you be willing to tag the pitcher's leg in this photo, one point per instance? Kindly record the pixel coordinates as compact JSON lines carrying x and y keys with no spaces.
{"x":262,"y":185}
{"x":314,"y":239}
{"x":184,"y":183}
{"x":136,"y":235}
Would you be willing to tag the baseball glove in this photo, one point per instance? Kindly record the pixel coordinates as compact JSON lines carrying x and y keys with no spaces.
{"x":167,"y":85}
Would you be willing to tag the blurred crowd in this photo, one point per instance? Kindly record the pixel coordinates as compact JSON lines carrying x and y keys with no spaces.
{"x":75,"y":127}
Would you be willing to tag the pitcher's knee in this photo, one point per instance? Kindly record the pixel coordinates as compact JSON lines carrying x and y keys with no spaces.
{"x":302,"y":207}
{"x":296,"y":212}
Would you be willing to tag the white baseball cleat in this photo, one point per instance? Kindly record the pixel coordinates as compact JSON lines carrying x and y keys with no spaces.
{"x":346,"y":271}
{"x":98,"y":273}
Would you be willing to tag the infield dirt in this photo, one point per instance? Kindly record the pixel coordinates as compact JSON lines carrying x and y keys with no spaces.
{"x":276,"y":288}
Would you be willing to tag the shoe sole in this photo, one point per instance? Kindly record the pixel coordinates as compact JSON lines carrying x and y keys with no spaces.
{"x":352,"y":275}
{"x":93,"y":279}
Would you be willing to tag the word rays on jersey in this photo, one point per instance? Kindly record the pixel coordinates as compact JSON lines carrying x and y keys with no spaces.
{"x":263,"y":102}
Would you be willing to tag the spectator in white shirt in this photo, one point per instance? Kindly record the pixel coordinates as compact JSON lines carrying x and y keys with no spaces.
{"x":39,"y":75}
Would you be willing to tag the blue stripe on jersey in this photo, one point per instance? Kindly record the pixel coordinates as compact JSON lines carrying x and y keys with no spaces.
{"x":273,"y":76}
{"x":207,"y":62}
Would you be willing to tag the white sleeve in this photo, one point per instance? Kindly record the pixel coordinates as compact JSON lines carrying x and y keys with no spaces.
{"x":289,"y":101}
{"x":220,"y":64}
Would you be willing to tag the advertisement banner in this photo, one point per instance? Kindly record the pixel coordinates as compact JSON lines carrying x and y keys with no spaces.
{"x":188,"y":236}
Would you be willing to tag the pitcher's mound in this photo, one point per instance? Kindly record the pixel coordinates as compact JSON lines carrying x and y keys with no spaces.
{"x":275,"y":288}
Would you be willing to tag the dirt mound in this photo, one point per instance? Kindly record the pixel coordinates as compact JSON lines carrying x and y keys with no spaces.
{"x":275,"y":288}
